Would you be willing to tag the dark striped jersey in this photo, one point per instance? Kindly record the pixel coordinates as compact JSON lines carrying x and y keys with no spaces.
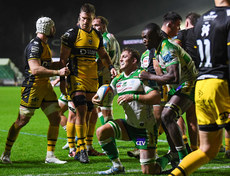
{"x":84,"y":46}
{"x":212,"y":38}
{"x":40,"y":51}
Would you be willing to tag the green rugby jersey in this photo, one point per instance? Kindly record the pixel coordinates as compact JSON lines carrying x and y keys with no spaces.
{"x":170,"y":53}
{"x":137,"y":114}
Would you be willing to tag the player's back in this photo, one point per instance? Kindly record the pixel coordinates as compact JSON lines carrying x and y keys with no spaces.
{"x":212,"y":37}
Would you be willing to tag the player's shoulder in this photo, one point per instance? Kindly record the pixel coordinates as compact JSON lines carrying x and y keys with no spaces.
{"x":168,"y":44}
{"x":97,"y":32}
{"x":146,"y":52}
{"x":110,"y":36}
{"x":34,"y":44}
{"x":70,"y":33}
{"x":35,"y":41}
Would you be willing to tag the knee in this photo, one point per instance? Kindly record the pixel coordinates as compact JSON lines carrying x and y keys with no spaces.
{"x":104,"y":132}
{"x":99,"y":133}
{"x":166,"y":118}
{"x":22,"y":122}
{"x":210,"y":151}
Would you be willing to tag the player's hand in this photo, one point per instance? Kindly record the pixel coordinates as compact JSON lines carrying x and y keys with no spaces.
{"x":124,"y":99}
{"x":96,"y":100}
{"x":113,"y":72}
{"x":64,"y":71}
{"x":144,"y":75}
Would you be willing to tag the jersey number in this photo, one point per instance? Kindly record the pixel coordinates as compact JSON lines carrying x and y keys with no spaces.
{"x":204,"y":51}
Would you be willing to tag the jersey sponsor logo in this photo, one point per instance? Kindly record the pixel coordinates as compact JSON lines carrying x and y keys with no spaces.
{"x":87,"y":52}
{"x":129,"y":85}
{"x":34,"y":49}
{"x":211,"y":16}
{"x":141,"y":141}
{"x":145,"y":63}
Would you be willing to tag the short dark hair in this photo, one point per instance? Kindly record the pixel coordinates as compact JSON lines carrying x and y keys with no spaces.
{"x":88,"y":8}
{"x":193,"y":17}
{"x":134,"y":53}
{"x":103,"y":20}
{"x":171,"y":16}
{"x":152,"y":27}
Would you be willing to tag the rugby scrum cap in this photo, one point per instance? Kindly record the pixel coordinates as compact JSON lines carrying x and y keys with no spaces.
{"x":43,"y":25}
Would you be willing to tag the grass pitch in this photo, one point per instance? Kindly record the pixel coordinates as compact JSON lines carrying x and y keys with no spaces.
{"x":29,"y":151}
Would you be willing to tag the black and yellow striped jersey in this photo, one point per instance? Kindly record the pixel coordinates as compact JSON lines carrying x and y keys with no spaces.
{"x":212,"y":33}
{"x":84,"y":46}
{"x":39,"y":50}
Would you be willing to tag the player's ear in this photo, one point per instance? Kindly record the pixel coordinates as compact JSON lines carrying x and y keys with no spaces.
{"x":134,"y":60}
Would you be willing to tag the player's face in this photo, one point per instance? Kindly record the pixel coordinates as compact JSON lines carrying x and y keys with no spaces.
{"x":126,"y":60}
{"x":98,"y":25}
{"x":85,"y":20}
{"x":52,"y":32}
{"x":149,"y":39}
{"x":175,"y":27}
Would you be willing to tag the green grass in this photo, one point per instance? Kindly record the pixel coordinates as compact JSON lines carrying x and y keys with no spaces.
{"x":29,"y":151}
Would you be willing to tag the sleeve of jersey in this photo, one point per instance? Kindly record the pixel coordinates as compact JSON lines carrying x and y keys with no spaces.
{"x":146,"y":88}
{"x":69,"y":37}
{"x":170,"y":57}
{"x":34,"y":51}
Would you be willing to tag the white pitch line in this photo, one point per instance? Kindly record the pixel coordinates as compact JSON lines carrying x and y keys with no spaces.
{"x":127,"y":171}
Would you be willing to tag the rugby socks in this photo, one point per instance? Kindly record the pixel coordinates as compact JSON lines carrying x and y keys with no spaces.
{"x":12,"y":136}
{"x":182,"y":152}
{"x":81,"y":134}
{"x":52,"y":137}
{"x":185,"y":139}
{"x":190,"y":163}
{"x":64,"y":127}
{"x":90,"y":134}
{"x":163,"y":161}
{"x":109,"y":146}
{"x":101,"y":117}
{"x":71,"y":132}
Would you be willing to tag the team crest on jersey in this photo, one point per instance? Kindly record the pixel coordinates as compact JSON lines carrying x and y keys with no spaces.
{"x":205,"y":29}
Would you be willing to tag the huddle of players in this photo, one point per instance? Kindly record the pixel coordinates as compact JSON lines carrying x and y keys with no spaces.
{"x":173,"y":67}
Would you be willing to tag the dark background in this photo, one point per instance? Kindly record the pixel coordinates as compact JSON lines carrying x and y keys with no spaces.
{"x":127,"y":18}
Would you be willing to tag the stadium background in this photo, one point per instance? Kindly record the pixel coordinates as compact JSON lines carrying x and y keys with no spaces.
{"x":127,"y":19}
{"x":17,"y":28}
